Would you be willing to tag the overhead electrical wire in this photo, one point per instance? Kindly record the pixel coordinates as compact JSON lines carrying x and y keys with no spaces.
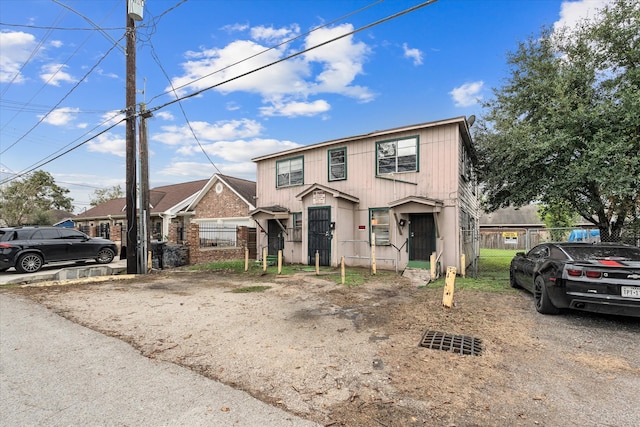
{"x":64,"y":97}
{"x":293,"y":55}
{"x":196,"y":93}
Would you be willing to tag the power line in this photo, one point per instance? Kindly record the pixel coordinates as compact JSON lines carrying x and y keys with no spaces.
{"x":293,"y":55}
{"x":64,"y":97}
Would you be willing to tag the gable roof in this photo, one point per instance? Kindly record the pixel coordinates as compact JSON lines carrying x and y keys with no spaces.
{"x":512,"y":217}
{"x":244,"y":189}
{"x":161,"y":199}
{"x":462,"y":123}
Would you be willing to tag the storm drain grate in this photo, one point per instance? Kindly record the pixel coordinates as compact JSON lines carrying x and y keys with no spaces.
{"x":455,"y":343}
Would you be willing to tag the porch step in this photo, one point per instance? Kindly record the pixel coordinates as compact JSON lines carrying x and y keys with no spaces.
{"x":418,"y":276}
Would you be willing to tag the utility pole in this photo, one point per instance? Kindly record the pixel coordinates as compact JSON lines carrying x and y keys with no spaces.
{"x":130,"y":135}
{"x":145,"y":217}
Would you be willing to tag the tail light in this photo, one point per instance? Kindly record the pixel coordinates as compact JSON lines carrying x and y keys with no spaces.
{"x":574,"y":273}
{"x":593,"y":274}
{"x":5,"y":245}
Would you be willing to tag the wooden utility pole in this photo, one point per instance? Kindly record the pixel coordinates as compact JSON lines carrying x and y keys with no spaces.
{"x":130,"y":135}
{"x":145,"y":214}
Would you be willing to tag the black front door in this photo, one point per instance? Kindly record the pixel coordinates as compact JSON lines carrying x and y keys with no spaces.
{"x":422,"y":237}
{"x":275,"y":237}
{"x":319,"y":223}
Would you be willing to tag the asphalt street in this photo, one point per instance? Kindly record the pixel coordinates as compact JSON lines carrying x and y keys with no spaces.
{"x":54,"y":372}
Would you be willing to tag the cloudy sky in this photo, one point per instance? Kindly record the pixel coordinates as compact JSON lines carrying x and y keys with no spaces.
{"x":326,"y":69}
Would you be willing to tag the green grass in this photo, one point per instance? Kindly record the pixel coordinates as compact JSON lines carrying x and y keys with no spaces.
{"x":492,"y":274}
{"x":249,"y":289}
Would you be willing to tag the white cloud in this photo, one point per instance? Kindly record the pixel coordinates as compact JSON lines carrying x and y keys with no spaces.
{"x":207,"y":132}
{"x":296,"y":109}
{"x":112,"y":117}
{"x":53,"y":74}
{"x":273,"y":36}
{"x":16,"y":49}
{"x":337,"y":64}
{"x":239,"y":150}
{"x":56,"y":43}
{"x":164,"y":115}
{"x":109,"y":143}
{"x":468,"y":94}
{"x":414,"y":54}
{"x":572,"y":12}
{"x":61,"y":116}
{"x":235,"y":28}
{"x":198,"y":170}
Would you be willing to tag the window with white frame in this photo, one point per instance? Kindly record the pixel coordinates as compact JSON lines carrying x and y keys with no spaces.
{"x":338,"y":164}
{"x":399,"y":155}
{"x":290,"y":172}
{"x":379,"y":225}
{"x":296,"y":230}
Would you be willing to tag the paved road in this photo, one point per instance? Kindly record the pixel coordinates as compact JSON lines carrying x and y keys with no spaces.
{"x":54,"y":372}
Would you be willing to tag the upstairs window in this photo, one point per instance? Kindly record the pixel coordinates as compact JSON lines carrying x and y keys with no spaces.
{"x":338,"y":164}
{"x":290,"y":172}
{"x":400,"y":155}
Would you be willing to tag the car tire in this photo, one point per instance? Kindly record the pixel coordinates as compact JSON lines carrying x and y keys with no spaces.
{"x":29,"y":263}
{"x":105,"y":256}
{"x":541,"y":298}
{"x":512,"y":280}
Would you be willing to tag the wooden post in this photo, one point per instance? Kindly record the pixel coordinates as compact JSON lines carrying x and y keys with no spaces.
{"x":246,"y":259}
{"x":264,"y":259}
{"x":317,"y":263}
{"x":280,"y":261}
{"x":373,"y":254}
{"x":463,"y":265}
{"x":342,"y":272}
{"x":432,"y":263}
{"x":450,"y":281}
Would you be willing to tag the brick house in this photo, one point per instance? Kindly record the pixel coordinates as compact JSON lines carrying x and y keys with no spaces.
{"x":411,"y":192}
{"x":221,"y":200}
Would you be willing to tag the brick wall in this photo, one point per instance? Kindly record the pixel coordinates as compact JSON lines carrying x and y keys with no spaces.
{"x":198,"y":255}
{"x":223,"y":205}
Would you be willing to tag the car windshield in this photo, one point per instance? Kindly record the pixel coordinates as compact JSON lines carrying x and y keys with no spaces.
{"x":603,"y":252}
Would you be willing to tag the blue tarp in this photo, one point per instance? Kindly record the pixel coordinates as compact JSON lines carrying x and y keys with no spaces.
{"x":582,"y":235}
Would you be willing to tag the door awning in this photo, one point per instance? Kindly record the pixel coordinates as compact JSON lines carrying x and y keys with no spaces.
{"x":269,"y":212}
{"x":416,"y":204}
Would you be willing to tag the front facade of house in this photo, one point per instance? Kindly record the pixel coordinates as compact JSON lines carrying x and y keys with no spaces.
{"x":409,"y":192}
{"x":221,"y":202}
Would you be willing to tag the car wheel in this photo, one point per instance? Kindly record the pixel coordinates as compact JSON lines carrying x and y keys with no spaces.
{"x":541,"y":298}
{"x":512,"y":280}
{"x":105,"y":256}
{"x":29,"y":263}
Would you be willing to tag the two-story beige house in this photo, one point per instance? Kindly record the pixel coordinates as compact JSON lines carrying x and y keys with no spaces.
{"x":409,"y":191}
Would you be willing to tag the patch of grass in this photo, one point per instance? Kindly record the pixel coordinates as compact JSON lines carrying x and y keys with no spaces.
{"x":248,"y":289}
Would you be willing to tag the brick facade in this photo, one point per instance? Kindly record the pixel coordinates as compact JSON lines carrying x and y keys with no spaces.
{"x":225,"y":204}
{"x":198,"y":255}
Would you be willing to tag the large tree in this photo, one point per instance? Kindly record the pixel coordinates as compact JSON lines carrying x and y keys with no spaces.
{"x":102,"y":195}
{"x":565,"y":126}
{"x":24,"y":201}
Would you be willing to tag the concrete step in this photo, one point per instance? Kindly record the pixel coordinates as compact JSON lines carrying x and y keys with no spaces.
{"x":418,"y":276}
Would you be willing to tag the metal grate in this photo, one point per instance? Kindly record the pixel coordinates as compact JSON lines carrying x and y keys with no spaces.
{"x":454,"y":343}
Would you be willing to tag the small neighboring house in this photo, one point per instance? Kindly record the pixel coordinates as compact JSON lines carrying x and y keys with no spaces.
{"x":222,"y":200}
{"x":410,"y":191}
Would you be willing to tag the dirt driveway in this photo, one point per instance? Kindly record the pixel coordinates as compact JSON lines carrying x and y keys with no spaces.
{"x":350,"y":356}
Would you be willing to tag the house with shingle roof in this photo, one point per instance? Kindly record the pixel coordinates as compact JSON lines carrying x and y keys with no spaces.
{"x":221,"y":199}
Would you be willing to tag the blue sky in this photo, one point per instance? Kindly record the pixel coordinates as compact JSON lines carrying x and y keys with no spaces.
{"x":62,"y":77}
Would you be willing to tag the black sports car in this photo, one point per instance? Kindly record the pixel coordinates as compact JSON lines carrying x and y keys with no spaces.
{"x":598,"y":277}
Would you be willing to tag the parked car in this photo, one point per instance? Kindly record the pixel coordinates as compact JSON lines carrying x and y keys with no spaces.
{"x":29,"y":248}
{"x":597,"y":277}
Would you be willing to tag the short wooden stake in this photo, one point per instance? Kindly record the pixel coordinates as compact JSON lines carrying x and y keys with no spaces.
{"x":246,"y":259}
{"x":342,"y":272}
{"x":450,"y":281}
{"x":373,"y":254}
{"x":432,"y":265}
{"x":264,"y":259}
{"x":317,"y":263}
{"x":463,"y":265}
{"x":280,"y":261}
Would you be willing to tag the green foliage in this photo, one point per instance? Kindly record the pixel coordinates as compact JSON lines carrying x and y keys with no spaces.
{"x":557,"y":216}
{"x":102,"y":195}
{"x":565,"y":125}
{"x":250,"y":289}
{"x":26,"y":201}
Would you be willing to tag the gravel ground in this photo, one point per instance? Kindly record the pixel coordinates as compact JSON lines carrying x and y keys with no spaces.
{"x":350,"y":356}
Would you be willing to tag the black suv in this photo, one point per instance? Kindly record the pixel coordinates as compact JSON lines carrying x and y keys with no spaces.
{"x":29,"y":248}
